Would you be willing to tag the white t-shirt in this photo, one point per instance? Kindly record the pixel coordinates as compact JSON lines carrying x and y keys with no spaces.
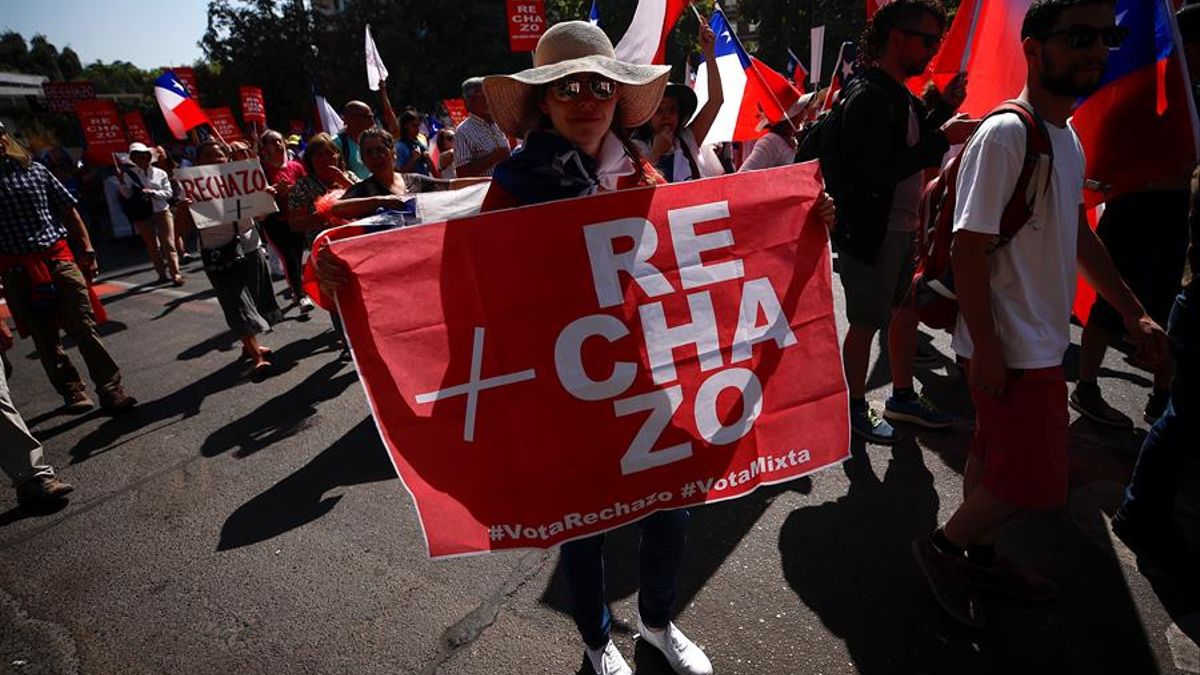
{"x":906,"y":201}
{"x":1033,"y":277}
{"x":770,"y":151}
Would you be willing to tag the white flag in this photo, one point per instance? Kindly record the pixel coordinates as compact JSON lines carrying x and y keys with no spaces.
{"x":331,"y":122}
{"x":818,"y":48}
{"x":376,"y":71}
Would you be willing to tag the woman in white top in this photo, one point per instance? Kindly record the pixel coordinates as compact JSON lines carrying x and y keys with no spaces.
{"x":143,"y":181}
{"x":445,"y":158}
{"x":668,"y":141}
{"x":235,"y":264}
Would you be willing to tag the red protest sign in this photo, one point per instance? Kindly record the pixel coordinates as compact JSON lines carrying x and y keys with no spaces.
{"x":224,"y":124}
{"x":544,"y":374}
{"x":254,"y":109}
{"x":102,"y":130}
{"x":296,"y":128}
{"x":526,"y":23}
{"x":135,"y":127}
{"x":61,"y":96}
{"x":188,"y":77}
{"x":456,"y":108}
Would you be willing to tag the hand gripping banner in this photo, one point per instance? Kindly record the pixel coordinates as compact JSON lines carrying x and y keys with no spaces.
{"x":551,"y":372}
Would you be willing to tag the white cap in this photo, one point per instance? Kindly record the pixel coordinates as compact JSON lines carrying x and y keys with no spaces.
{"x":140,"y":147}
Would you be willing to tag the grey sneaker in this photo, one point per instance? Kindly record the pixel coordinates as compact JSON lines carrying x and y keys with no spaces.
{"x":917,"y":410}
{"x":869,"y":426}
{"x":1087,"y":400}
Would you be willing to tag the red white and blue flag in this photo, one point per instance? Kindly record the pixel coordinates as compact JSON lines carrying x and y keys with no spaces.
{"x":179,"y":109}
{"x":645,"y":41}
{"x":844,"y":71}
{"x":796,"y":73}
{"x":1143,"y":96}
{"x":755,"y":95}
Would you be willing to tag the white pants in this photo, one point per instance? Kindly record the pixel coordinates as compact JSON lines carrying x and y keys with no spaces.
{"x":20,"y":452}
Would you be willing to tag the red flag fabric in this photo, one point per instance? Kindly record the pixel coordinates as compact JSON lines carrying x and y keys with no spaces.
{"x":225,"y":124}
{"x":547,"y":373}
{"x":254,"y":108}
{"x":61,"y":96}
{"x":873,"y":6}
{"x":526,"y":23}
{"x":102,"y":130}
{"x":136,"y":129}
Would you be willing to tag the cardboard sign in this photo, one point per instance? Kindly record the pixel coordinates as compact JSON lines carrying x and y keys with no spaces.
{"x":526,"y":23}
{"x":224,"y":193}
{"x":61,"y":96}
{"x":456,"y":108}
{"x":102,"y":130}
{"x":135,"y":127}
{"x":224,"y":123}
{"x":188,"y":77}
{"x":254,"y":109}
{"x":547,"y":373}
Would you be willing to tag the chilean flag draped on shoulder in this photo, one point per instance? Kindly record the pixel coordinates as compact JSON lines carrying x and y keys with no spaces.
{"x":180,"y":110}
{"x":755,"y":95}
{"x":645,"y":41}
{"x":1144,"y":97}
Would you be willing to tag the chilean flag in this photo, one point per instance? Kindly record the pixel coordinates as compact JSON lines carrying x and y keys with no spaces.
{"x":1140,"y":126}
{"x":844,"y":71}
{"x":796,"y":73}
{"x":755,"y":95}
{"x":646,"y":39}
{"x":180,"y":110}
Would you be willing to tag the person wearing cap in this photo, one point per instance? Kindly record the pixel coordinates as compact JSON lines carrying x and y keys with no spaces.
{"x":157,"y":231}
{"x":45,"y":286}
{"x":673,"y":144}
{"x":572,"y":109}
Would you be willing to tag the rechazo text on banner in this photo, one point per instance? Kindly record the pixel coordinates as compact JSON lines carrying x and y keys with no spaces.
{"x":224,"y":193}
{"x":547,"y":373}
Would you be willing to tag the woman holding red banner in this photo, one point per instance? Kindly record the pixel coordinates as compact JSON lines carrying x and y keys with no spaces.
{"x":236,"y":267}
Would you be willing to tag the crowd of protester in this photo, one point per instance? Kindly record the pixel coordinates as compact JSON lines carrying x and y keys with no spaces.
{"x":883,"y":144}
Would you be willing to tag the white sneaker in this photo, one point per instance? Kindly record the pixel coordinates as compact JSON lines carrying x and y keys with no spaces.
{"x":608,"y":661}
{"x":684,"y":656}
{"x":306,"y":305}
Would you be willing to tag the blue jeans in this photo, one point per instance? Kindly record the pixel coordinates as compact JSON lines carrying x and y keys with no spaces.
{"x":661,"y":552}
{"x":1171,"y":442}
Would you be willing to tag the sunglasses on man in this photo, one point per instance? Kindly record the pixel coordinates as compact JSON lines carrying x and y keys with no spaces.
{"x":1079,"y":36}
{"x":571,"y":87}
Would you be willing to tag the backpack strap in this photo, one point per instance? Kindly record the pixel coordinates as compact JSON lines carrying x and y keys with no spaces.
{"x":1023,"y":201}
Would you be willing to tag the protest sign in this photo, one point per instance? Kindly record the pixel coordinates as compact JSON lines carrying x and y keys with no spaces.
{"x":254,"y":108}
{"x":223,"y":193}
{"x":102,"y":130}
{"x":61,"y":96}
{"x":526,"y":23}
{"x":295,"y":127}
{"x":224,"y":124}
{"x":187,"y":76}
{"x":547,"y":373}
{"x":135,"y":127}
{"x":456,"y":108}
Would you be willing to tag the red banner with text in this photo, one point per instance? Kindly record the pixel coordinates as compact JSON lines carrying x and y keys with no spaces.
{"x":61,"y":96}
{"x":547,"y":373}
{"x":225,"y":124}
{"x":102,"y":130}
{"x":254,"y":108}
{"x":188,"y":77}
{"x":456,"y":108}
{"x":526,"y":23}
{"x":136,"y":129}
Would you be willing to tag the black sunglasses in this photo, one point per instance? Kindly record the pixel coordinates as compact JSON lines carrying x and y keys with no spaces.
{"x":570,"y":88}
{"x":1079,"y":36}
{"x":930,"y":40}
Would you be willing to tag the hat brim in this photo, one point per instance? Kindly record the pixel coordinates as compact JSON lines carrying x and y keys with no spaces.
{"x":512,"y":99}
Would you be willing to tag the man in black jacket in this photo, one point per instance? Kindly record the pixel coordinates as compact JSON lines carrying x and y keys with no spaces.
{"x":881,"y":140}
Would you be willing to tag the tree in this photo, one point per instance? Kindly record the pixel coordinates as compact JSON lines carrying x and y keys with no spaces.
{"x":14,"y":53}
{"x":69,"y":64}
{"x":43,"y":58}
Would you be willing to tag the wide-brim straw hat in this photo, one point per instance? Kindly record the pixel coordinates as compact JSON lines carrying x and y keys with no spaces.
{"x":570,"y":48}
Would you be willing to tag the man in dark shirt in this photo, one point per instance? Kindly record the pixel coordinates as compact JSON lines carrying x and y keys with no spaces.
{"x":882,"y":138}
{"x":44,"y":286}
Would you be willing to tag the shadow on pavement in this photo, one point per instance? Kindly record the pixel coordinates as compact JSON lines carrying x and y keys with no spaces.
{"x":19,"y":513}
{"x":358,"y":457}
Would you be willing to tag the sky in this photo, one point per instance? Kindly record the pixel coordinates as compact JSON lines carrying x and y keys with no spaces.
{"x":147,"y":33}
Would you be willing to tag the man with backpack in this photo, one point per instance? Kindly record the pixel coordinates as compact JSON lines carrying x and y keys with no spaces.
{"x":1015,"y":299}
{"x":874,"y":149}
{"x":146,"y":199}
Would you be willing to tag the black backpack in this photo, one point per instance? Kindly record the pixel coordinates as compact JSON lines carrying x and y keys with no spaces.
{"x":138,"y":207}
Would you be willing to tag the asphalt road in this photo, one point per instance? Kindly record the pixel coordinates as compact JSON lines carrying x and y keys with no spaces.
{"x":232,"y":527}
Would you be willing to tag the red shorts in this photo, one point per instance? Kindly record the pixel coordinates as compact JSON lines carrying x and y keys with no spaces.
{"x":1021,"y":437}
